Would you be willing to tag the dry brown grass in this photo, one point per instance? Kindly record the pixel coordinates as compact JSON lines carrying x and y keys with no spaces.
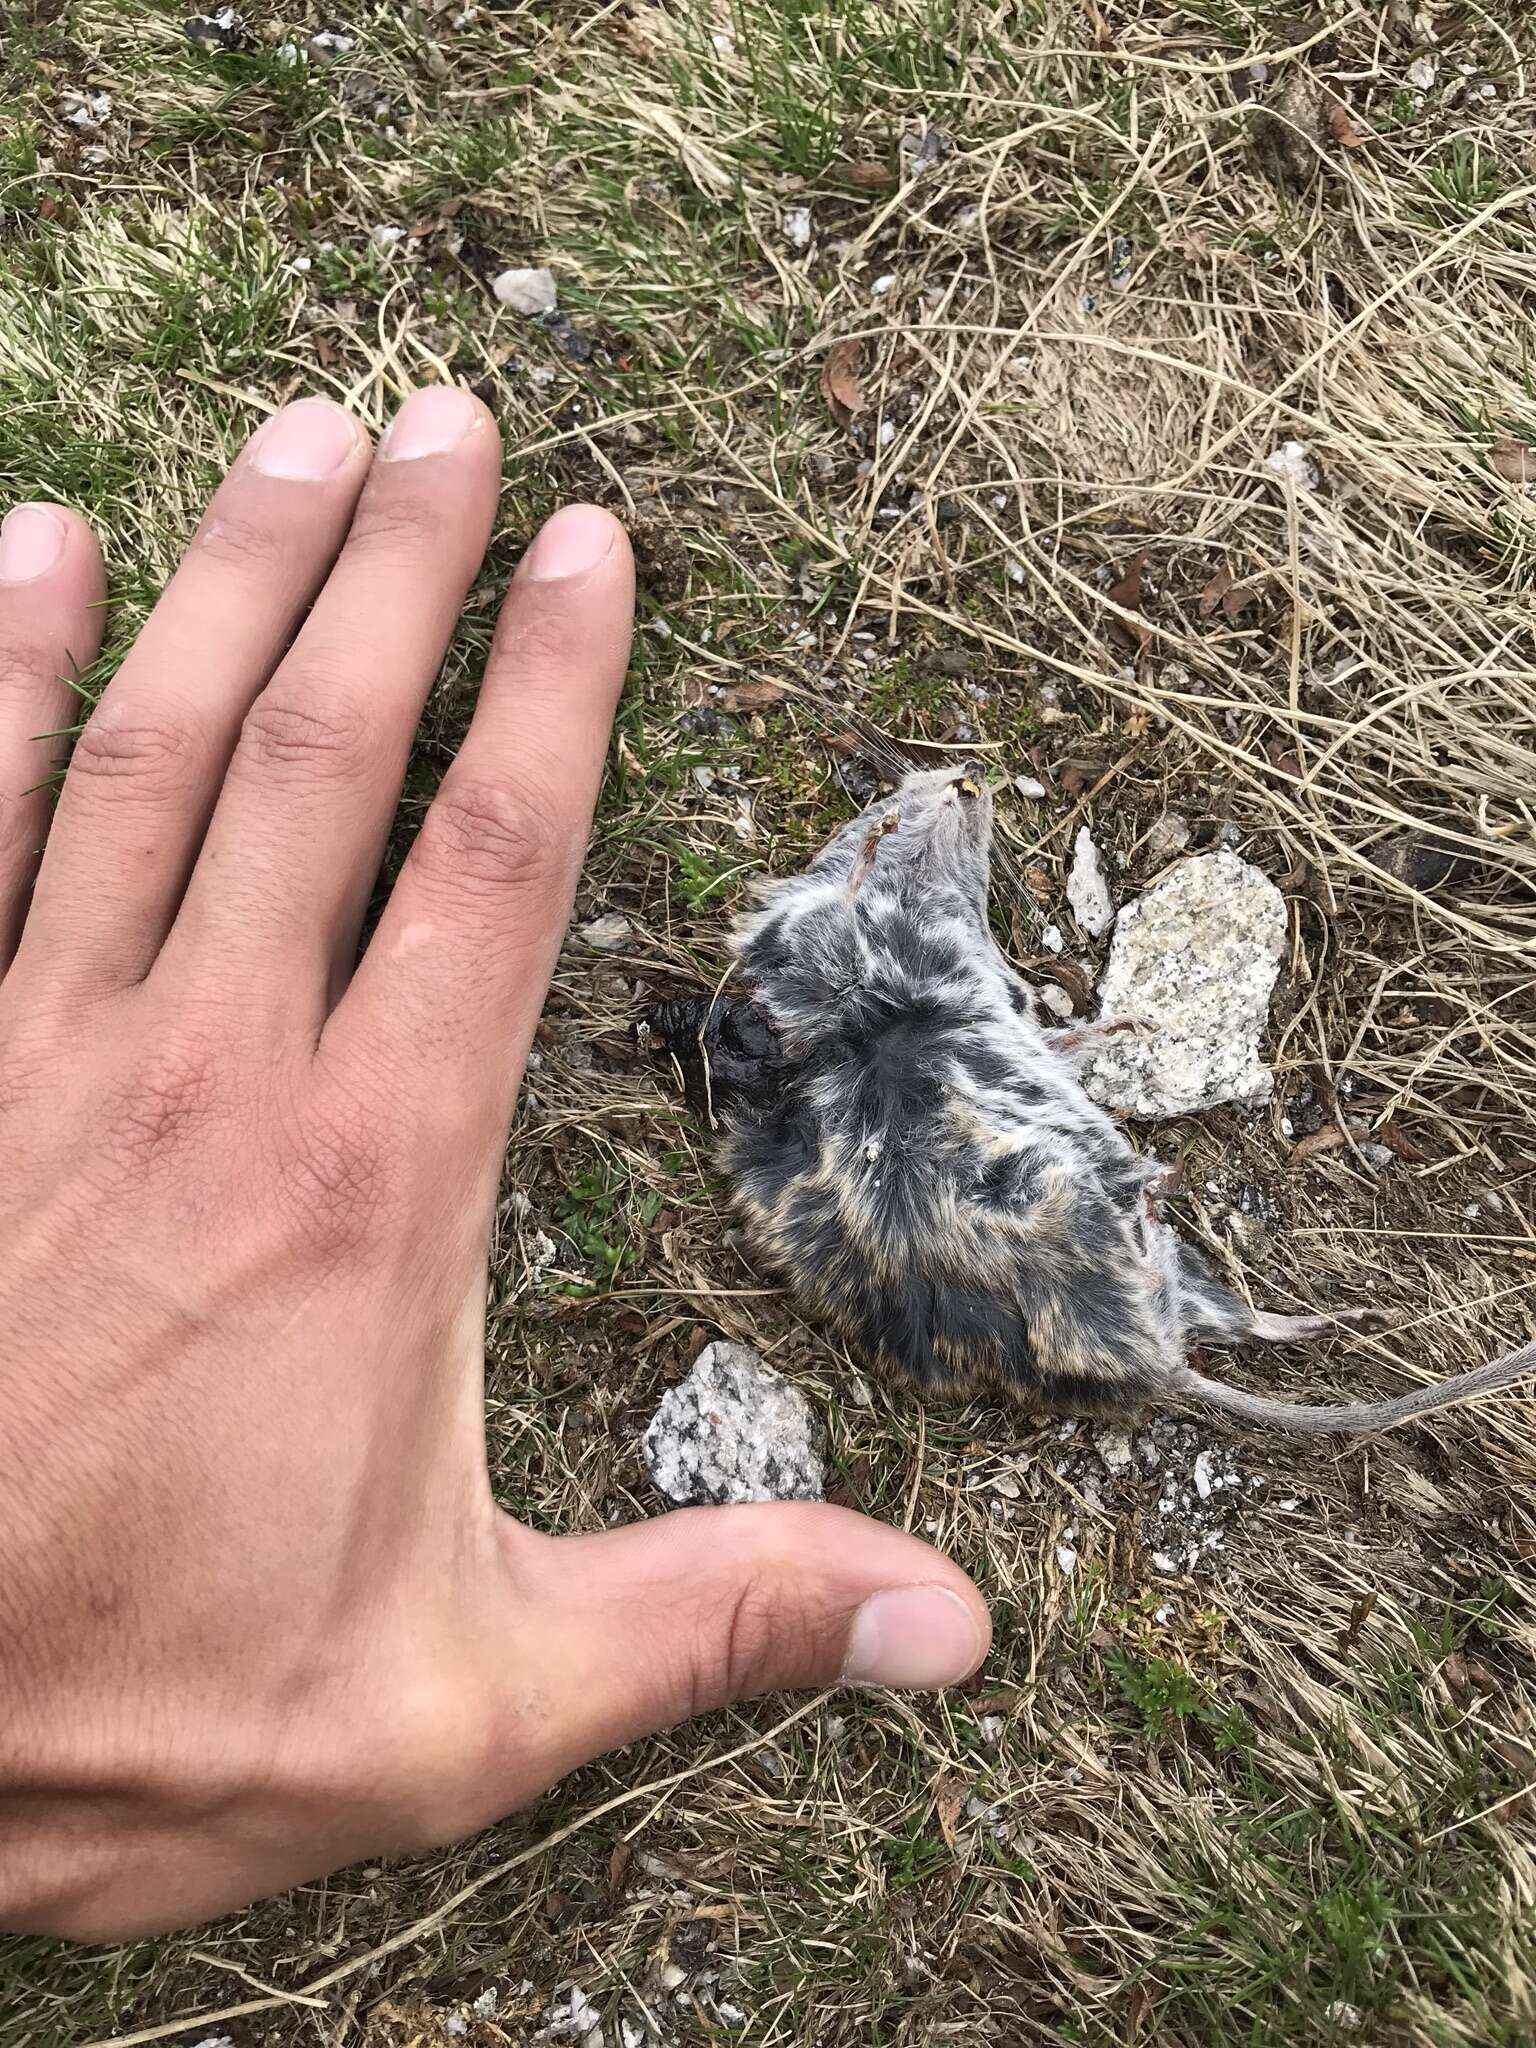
{"x":1286,"y":1797}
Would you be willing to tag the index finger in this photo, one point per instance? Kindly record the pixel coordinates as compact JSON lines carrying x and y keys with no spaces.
{"x":450,"y":988}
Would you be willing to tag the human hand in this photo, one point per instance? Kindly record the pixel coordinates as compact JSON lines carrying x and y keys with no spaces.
{"x":259,"y":1614}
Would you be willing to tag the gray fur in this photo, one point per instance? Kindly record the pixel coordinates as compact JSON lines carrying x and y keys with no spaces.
{"x":929,"y":1175}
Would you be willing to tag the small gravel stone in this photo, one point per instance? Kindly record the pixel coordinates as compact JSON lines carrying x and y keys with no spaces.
{"x":529,"y":292}
{"x":1293,"y":461}
{"x":1114,"y":1447}
{"x":1087,"y":889}
{"x":795,"y":225}
{"x":733,"y":1430}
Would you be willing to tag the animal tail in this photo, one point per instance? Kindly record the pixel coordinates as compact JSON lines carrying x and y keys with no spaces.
{"x":1357,"y":1418}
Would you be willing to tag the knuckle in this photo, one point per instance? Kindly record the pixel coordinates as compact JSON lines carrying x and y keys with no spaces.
{"x":754,"y":1636}
{"x":336,"y":1176}
{"x":393,"y":524}
{"x":20,"y":674}
{"x":121,"y":744}
{"x":20,"y":834}
{"x":499,"y":834}
{"x":172,"y":1092}
{"x":247,"y":546}
{"x":321,"y":731}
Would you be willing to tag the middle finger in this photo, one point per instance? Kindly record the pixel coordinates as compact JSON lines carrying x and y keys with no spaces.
{"x":278,"y":894}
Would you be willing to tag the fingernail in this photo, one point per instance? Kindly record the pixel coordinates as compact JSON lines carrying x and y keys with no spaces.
{"x":31,"y":540}
{"x":574,"y":540}
{"x":430,"y":423}
{"x":917,"y":1636}
{"x":306,"y":442}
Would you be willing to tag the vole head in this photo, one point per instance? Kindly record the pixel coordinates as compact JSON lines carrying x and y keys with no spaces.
{"x":939,"y":841}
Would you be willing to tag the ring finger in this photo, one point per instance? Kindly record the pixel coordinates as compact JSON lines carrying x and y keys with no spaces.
{"x":148,"y":765}
{"x":51,"y":592}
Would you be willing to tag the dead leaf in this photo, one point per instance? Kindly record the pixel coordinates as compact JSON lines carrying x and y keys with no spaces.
{"x":1458,"y":1680}
{"x":325,"y":353}
{"x":840,"y":385}
{"x":868,"y":177}
{"x":1359,"y":1615}
{"x":1127,"y":594}
{"x":1075,"y":776}
{"x":1342,"y":128}
{"x":1318,"y":1143}
{"x":618,"y":1864}
{"x":1068,"y":975}
{"x":1215,"y":591}
{"x":948,"y":1798}
{"x":1280,"y":751}
{"x":752,"y":697}
{"x":1397,"y":1140}
{"x":847,"y":743}
{"x":1513,"y":461}
{"x":1001,"y":1700}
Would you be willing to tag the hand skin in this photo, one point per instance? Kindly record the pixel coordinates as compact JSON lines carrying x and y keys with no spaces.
{"x":259,"y":1614}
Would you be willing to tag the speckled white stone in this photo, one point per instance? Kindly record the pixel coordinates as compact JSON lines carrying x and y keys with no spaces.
{"x":734,"y":1430}
{"x":1087,"y":888}
{"x":1194,"y":959}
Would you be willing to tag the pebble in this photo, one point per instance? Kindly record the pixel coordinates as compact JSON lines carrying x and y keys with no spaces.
{"x":795,"y":226}
{"x":1087,"y":889}
{"x":528,"y":292}
{"x":1293,"y":460}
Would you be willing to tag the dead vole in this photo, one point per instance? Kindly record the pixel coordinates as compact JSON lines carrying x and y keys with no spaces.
{"x":909,"y":1147}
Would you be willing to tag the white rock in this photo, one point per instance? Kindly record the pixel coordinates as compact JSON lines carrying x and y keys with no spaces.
{"x":1087,"y":890}
{"x":1030,"y":786}
{"x":1194,"y":960}
{"x":1051,"y":939}
{"x":1203,"y":1480}
{"x":528,"y":292}
{"x":795,"y":226}
{"x":1066,"y":1559}
{"x":734,"y":1430}
{"x":1114,"y":1447}
{"x":386,"y":235}
{"x":1053,"y":997}
{"x":608,"y":934}
{"x":1421,"y":73}
{"x":1293,"y":461}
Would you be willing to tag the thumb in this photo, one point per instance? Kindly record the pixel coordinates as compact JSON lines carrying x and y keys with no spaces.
{"x":643,"y":1627}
